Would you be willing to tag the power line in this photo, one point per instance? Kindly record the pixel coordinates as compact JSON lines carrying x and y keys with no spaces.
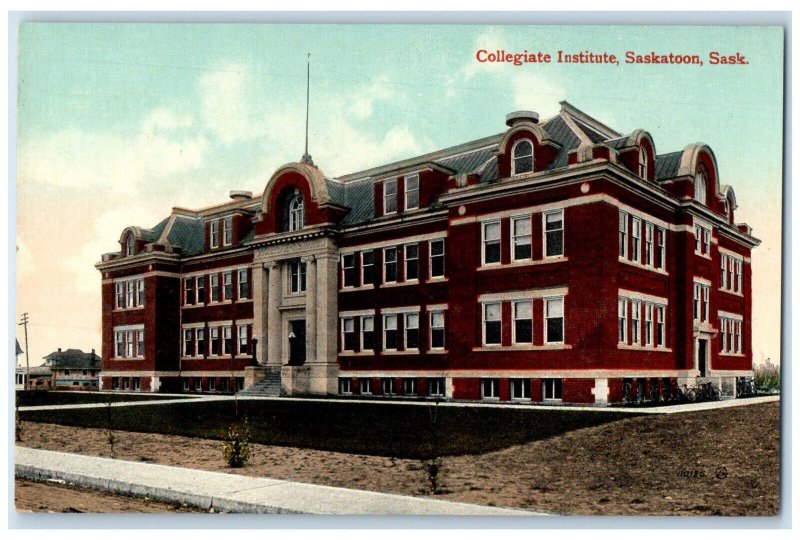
{"x":24,"y":323}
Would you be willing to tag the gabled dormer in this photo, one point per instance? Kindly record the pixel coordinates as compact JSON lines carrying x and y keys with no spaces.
{"x":410,"y":189}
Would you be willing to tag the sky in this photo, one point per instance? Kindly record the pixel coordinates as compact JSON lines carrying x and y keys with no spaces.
{"x":118,"y":123}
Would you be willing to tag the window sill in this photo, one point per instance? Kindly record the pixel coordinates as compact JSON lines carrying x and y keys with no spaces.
{"x":437,"y":351}
{"x":732,"y":293}
{"x":643,"y":266}
{"x":732,"y":355}
{"x":124,"y":358}
{"x":437,"y":279}
{"x":242,"y":300}
{"x":134,"y":308}
{"x":356,"y":353}
{"x":399,"y":353}
{"x":218,"y":303}
{"x":523,"y":263}
{"x":643,"y":348}
{"x":349,"y":288}
{"x":703,"y":255}
{"x":513,"y":348}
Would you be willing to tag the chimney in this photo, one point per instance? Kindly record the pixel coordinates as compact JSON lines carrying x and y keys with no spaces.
{"x":238,"y":194}
{"x":514,"y":118}
{"x":59,"y":349}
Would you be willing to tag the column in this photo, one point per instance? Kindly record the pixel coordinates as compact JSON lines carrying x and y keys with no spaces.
{"x":260,"y":298}
{"x":274,"y":345}
{"x":327,"y":315}
{"x":311,"y":308}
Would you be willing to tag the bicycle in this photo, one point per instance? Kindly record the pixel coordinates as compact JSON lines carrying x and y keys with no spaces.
{"x":745,"y":387}
{"x":708,"y":392}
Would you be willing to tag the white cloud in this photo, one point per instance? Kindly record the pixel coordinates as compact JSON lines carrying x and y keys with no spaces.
{"x":163,"y":119}
{"x":225,"y":107}
{"x":381,"y":89}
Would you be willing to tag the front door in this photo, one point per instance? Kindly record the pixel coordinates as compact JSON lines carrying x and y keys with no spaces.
{"x":297,"y":342}
{"x":702,"y":355}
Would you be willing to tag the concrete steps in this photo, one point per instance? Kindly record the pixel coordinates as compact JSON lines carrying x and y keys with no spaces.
{"x":269,"y":386}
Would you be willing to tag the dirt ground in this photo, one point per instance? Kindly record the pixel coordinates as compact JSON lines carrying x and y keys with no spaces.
{"x":50,"y":497}
{"x":721,"y":462}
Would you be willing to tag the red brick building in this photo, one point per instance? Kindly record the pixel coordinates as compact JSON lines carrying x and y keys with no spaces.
{"x":555,"y":261}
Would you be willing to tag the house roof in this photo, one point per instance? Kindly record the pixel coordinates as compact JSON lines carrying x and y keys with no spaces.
{"x":72,"y":358}
{"x":569,"y":128}
{"x":19,"y":349}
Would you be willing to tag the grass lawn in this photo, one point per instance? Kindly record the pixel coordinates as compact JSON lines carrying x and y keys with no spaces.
{"x":397,"y":430}
{"x":37,"y":397}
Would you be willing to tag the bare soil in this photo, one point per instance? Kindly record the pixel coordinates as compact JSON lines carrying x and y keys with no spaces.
{"x":59,"y":498}
{"x":720,"y":462}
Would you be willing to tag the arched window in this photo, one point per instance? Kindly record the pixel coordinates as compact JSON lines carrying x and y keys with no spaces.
{"x":296,"y":211}
{"x":129,"y":245}
{"x":643,"y":163}
{"x":522,"y":157}
{"x":700,"y":187}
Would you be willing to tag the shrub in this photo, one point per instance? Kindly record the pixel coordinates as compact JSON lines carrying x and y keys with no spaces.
{"x":236,"y":444}
{"x":767,"y":378}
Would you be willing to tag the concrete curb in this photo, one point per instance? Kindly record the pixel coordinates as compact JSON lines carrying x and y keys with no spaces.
{"x":230,"y":492}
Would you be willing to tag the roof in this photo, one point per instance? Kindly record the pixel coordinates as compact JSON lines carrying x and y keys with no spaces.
{"x":19,"y":349}
{"x":569,"y":128}
{"x":72,"y":358}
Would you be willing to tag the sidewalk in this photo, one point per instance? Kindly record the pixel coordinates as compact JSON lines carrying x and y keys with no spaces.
{"x":231,"y":492}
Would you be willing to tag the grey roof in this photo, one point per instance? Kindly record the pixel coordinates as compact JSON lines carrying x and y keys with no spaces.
{"x":19,"y":349}
{"x":359,"y":197}
{"x":594,"y":135}
{"x":667,"y":165}
{"x":72,"y":358}
{"x":469,"y":162}
{"x":151,"y":235}
{"x":563,"y":134}
{"x":188,"y":234}
{"x":618,"y":143}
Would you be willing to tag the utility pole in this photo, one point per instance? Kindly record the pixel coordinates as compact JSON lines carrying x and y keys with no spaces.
{"x":24,"y":323}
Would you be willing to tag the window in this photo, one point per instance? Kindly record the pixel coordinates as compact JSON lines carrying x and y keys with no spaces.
{"x":130,"y":246}
{"x":523,"y":322}
{"x":227,"y":231}
{"x":491,"y":242}
{"x":412,"y":331}
{"x":223,"y":384}
{"x":642,"y":163}
{"x":227,"y":340}
{"x":188,"y":342}
{"x":730,"y":273}
{"x":522,"y":157}
{"x":213,"y":234}
{"x":623,"y":235}
{"x":412,"y":191}
{"x":227,"y":285}
{"x":660,"y":336}
{"x":521,"y":237}
{"x":739,"y":266}
{"x":622,"y":317}
{"x":188,"y":291}
{"x":700,"y":187}
{"x":201,"y":290}
{"x":412,"y":262}
{"x":345,"y":386}
{"x":120,"y":340}
{"x":700,"y":302}
{"x":137,"y":383}
{"x":348,"y":334}
{"x":390,"y":265}
{"x":129,"y":343}
{"x":702,"y":240}
{"x":437,"y":329}
{"x":490,"y":388}
{"x":554,"y":320}
{"x":244,"y":343}
{"x":126,"y":383}
{"x":388,"y":386}
{"x":554,"y":233}
{"x":200,"y":342}
{"x":296,"y":218}
{"x":120,"y":290}
{"x":243,"y":291}
{"x":349,"y":276}
{"x":367,"y":333}
{"x":730,"y":335}
{"x":648,"y":244}
{"x":636,"y":323}
{"x":212,"y":385}
{"x":723,"y":334}
{"x":437,"y":258}
{"x":215,"y":344}
{"x":390,"y":196}
{"x":520,"y":388}
{"x":367,"y":267}
{"x":436,"y":387}
{"x":215,"y":290}
{"x":410,"y":387}
{"x":390,"y":332}
{"x":130,"y":291}
{"x":365,"y":386}
{"x":298,"y":276}
{"x":636,"y":234}
{"x":661,"y":247}
{"x":551,"y":389}
{"x":140,"y":292}
{"x":648,"y":324}
{"x":492,"y":325}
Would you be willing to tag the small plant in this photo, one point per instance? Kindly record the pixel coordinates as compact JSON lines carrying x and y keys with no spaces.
{"x":767,"y":378}
{"x":236,"y":444}
{"x":432,"y":468}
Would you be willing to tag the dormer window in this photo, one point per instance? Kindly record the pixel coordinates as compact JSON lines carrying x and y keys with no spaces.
{"x":643,"y":163}
{"x":296,"y":212}
{"x":412,"y":191}
{"x":213,"y":234}
{"x":700,"y":187}
{"x":390,"y":196}
{"x":130,"y":247}
{"x":522,"y":157}
{"x":227,"y":231}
